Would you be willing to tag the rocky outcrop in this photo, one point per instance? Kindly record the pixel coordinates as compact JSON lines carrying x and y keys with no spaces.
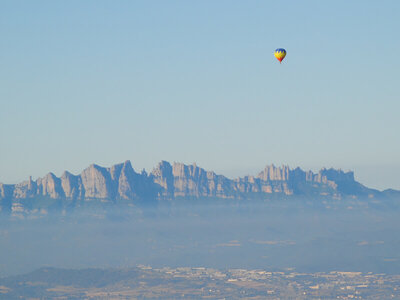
{"x":162,"y":175}
{"x":192,"y":181}
{"x":50,"y":185}
{"x":26,"y":189}
{"x":180,"y":180}
{"x":132,"y":185}
{"x":72,"y":186}
{"x":127,"y":179}
{"x":167,"y":182}
{"x":97,"y":182}
{"x":272,"y":173}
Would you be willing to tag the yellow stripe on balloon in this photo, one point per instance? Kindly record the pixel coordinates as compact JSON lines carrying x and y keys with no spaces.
{"x":280,"y":54}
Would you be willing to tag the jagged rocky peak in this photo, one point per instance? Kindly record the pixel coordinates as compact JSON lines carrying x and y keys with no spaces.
{"x":163,"y":169}
{"x":181,"y":170}
{"x":128,"y":181}
{"x":190,"y":180}
{"x":271,"y":173}
{"x":67,"y":175}
{"x":184,"y":183}
{"x":127,"y":167}
{"x":166,"y":172}
{"x":162,"y":175}
{"x":115,"y":171}
{"x":337,"y":175}
{"x":50,"y":185}
{"x":25,"y":189}
{"x":72,"y":185}
{"x":97,"y":182}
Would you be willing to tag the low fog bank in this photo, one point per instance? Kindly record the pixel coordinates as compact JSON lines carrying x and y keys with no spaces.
{"x":235,"y":235}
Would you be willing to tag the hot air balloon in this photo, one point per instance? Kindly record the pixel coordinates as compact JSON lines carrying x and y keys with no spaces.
{"x":280,"y":54}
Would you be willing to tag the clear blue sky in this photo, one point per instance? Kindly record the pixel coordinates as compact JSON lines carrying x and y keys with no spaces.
{"x":196,"y":81}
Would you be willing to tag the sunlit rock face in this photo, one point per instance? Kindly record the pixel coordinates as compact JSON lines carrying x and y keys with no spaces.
{"x":97,"y":182}
{"x":72,"y":186}
{"x":196,"y":182}
{"x":272,"y":173}
{"x":50,"y":186}
{"x":162,"y":176}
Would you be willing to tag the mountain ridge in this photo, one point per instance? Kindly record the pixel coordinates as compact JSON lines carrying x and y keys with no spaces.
{"x":167,"y":182}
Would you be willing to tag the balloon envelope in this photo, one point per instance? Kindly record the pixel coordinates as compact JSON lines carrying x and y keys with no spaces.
{"x":280,"y":54}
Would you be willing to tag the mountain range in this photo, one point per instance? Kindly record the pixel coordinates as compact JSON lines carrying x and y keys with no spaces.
{"x":167,"y":182}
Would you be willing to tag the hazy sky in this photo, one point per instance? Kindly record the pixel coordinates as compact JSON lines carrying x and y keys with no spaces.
{"x":196,"y":81}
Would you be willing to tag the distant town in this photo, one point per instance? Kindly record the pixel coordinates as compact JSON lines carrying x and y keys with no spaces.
{"x":198,"y":283}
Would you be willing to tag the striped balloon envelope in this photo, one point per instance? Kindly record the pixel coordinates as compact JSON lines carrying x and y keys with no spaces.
{"x":280,"y":54}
